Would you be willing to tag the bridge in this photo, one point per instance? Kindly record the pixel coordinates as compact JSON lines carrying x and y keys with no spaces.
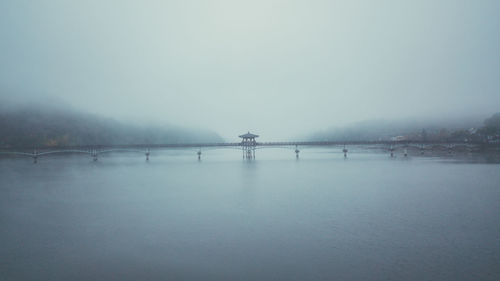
{"x":249,"y":145}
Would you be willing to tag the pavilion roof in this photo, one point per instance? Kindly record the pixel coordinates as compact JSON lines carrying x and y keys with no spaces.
{"x":248,"y":136}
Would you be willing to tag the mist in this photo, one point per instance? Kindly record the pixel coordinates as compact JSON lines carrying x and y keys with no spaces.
{"x":277,"y":68}
{"x":249,"y":140}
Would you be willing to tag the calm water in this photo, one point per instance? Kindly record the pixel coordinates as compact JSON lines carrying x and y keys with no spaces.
{"x":276,"y":218}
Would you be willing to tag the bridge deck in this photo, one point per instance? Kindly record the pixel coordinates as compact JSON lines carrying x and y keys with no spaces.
{"x":238,"y":144}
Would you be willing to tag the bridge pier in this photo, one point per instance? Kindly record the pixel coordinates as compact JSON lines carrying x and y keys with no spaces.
{"x":249,"y":153}
{"x":94,"y":155}
{"x":391,"y":149}
{"x":147,"y":155}
{"x":345,"y":152}
{"x":199,"y":154}
{"x":406,"y":152}
{"x":422,"y":150}
{"x":35,"y":157}
{"x":297,"y":152}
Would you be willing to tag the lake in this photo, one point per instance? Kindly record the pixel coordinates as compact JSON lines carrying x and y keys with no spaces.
{"x":320,"y":217}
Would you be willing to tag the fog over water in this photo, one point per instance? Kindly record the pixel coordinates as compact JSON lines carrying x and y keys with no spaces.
{"x":281,"y":68}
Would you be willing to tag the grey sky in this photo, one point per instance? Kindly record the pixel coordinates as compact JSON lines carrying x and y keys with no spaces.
{"x":279,"y":68}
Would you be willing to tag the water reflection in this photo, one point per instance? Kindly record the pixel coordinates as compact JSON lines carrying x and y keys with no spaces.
{"x":320,"y":218}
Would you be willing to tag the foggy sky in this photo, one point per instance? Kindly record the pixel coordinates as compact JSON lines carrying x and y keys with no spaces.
{"x":278,"y":68}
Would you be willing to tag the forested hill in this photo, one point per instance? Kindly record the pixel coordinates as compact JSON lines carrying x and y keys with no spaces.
{"x":461,"y":129}
{"x":31,"y":126}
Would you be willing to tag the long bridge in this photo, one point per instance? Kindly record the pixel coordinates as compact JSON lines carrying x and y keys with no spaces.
{"x":249,"y":145}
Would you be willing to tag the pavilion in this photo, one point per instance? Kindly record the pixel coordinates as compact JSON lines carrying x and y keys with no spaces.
{"x":248,"y":145}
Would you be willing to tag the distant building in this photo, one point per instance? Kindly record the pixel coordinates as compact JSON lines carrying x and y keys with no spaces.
{"x":472,"y":131}
{"x":399,"y":138}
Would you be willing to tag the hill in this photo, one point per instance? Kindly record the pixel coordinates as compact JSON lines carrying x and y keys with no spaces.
{"x":376,"y":130}
{"x":29,"y":126}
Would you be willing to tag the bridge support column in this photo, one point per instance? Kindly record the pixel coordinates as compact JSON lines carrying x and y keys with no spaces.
{"x":345,"y":152}
{"x":249,"y":153}
{"x":35,"y":157}
{"x":94,"y":155}
{"x":297,"y":152}
{"x":406,"y":152}
{"x":199,"y":154}
{"x":392,"y":151}
{"x":147,"y":155}
{"x":422,"y":150}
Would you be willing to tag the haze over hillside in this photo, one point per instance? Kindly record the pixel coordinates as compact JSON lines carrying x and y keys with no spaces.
{"x":476,"y":127}
{"x":34,"y":125}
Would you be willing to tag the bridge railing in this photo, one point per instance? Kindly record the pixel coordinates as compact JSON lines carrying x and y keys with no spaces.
{"x":95,"y":150}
